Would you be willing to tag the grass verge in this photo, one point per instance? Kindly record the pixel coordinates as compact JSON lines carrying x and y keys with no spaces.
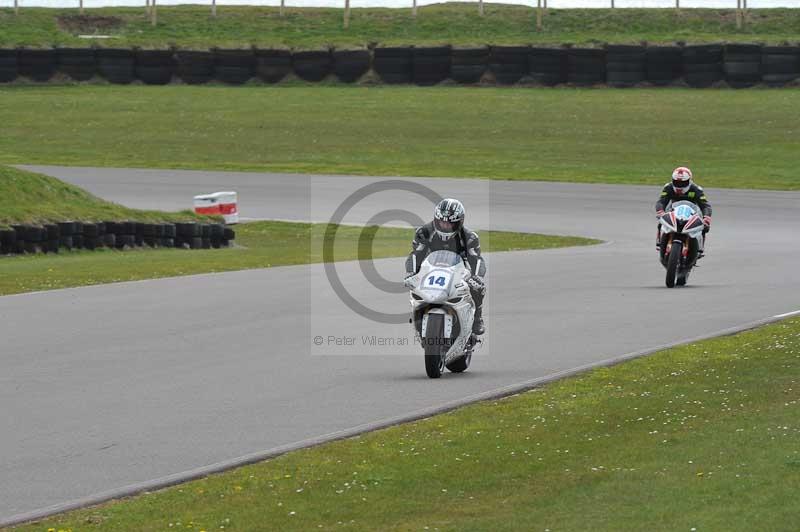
{"x":258,"y":245}
{"x":699,"y":437}
{"x":730,"y":138}
{"x":451,"y":23}
{"x":27,"y":197}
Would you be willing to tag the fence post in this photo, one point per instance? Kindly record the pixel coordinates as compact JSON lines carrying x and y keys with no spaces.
{"x":147,"y":7}
{"x":280,"y":12}
{"x":677,"y":5}
{"x":538,"y":15}
{"x":480,"y":7}
{"x":16,"y":7}
{"x":738,"y":14}
{"x":81,"y":9}
{"x":153,"y":13}
{"x":612,"y":4}
{"x":414,"y":9}
{"x":346,"y":14}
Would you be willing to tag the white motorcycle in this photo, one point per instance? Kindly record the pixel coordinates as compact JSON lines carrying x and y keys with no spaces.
{"x":443,"y":312}
{"x":681,"y":239}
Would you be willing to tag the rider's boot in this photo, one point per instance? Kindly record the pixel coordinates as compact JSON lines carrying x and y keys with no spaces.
{"x":702,"y":251}
{"x":478,"y":328}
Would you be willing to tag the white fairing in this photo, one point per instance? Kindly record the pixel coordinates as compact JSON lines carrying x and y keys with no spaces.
{"x":683,"y":211}
{"x":441,"y":282}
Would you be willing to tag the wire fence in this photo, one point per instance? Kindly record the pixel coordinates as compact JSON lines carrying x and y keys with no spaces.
{"x":541,"y":6}
{"x":552,"y":4}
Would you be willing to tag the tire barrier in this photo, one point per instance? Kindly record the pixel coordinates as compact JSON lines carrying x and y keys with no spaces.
{"x":393,"y":65}
{"x":116,"y":65}
{"x":742,"y":65}
{"x":586,"y":66}
{"x":626,"y":66}
{"x":780,"y":65}
{"x":430,"y":66}
{"x":79,"y":64}
{"x":193,"y":67}
{"x":312,"y":66}
{"x":350,"y":65}
{"x":155,"y":67}
{"x":702,"y":65}
{"x":509,"y":64}
{"x":547,"y":66}
{"x":468,"y":65}
{"x":234,"y":67}
{"x":8,"y":66}
{"x":733,"y":65}
{"x":53,"y":238}
{"x":38,"y":65}
{"x":664,"y":64}
{"x":273,"y":65}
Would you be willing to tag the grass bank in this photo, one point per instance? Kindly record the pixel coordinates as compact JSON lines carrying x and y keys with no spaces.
{"x":450,"y":23}
{"x":729,"y":138}
{"x":27,"y":197}
{"x":700,"y":437}
{"x":258,"y":245}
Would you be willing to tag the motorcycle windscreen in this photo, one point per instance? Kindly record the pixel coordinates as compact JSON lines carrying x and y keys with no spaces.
{"x":443,"y":258}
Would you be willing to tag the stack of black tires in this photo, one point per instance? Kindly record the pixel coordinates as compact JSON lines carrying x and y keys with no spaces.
{"x":350,"y":65}
{"x":431,"y":65}
{"x":706,"y":65}
{"x":664,"y":64}
{"x":547,"y":66}
{"x":586,"y":66}
{"x":393,"y":65}
{"x":626,"y":66}
{"x":468,"y":65}
{"x":121,"y":235}
{"x":702,"y":65}
{"x":509,"y":64}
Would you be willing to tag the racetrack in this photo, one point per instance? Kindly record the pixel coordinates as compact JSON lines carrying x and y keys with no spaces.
{"x":119,"y":384}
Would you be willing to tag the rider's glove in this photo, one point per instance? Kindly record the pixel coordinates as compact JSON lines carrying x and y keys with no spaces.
{"x":707,"y":221}
{"x":659,"y":213}
{"x":408,"y":282}
{"x":476,"y":283}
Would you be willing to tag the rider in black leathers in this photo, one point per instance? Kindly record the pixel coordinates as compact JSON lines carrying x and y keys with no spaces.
{"x":683,"y":188}
{"x":447,"y":232}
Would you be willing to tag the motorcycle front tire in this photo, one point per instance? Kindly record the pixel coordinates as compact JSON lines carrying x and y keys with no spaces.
{"x":435,"y":348}
{"x":673,"y":262}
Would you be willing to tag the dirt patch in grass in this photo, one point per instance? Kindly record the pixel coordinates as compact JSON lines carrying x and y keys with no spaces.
{"x":83,"y":24}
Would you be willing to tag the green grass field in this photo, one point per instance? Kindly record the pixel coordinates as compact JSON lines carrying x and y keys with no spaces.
{"x":27,"y":197}
{"x":700,"y":437}
{"x":452,"y":23}
{"x":258,"y":245}
{"x":729,"y":138}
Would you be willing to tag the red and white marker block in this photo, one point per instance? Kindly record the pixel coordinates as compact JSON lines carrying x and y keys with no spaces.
{"x":225,"y":204}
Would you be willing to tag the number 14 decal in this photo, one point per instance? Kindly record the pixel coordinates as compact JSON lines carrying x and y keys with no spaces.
{"x":434,"y":280}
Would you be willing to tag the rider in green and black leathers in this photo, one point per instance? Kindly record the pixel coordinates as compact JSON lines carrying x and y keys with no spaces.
{"x":447,"y":232}
{"x":682,"y":188}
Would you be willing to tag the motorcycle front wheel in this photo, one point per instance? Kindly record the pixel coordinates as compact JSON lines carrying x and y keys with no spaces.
{"x":673,"y":262}
{"x":435,"y":348}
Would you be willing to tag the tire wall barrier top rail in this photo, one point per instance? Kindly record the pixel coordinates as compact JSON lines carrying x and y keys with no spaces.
{"x":56,"y":237}
{"x":737,"y":65}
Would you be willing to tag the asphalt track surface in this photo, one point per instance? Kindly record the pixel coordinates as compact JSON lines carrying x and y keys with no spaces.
{"x":110,"y":386}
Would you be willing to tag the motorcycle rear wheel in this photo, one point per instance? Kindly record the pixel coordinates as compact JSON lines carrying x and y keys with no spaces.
{"x":435,"y":347}
{"x":673,"y":261}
